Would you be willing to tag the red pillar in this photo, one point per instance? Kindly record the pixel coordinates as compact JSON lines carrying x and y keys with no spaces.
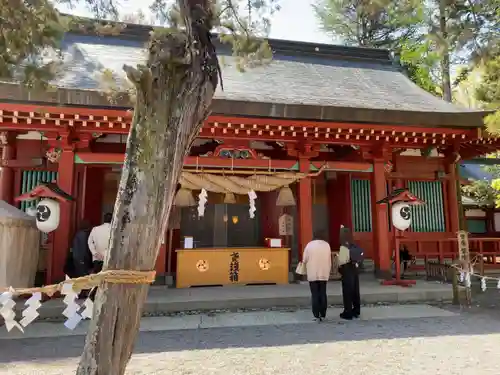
{"x":381,"y":233}
{"x":269,"y":215}
{"x":62,"y":235}
{"x":338,"y":192}
{"x":161,"y":260}
{"x":304,"y":208}
{"x":7,"y":173}
{"x":453,"y":206}
{"x":93,"y":188}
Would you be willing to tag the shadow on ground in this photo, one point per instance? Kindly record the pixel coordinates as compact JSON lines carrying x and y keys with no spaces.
{"x":262,"y":336}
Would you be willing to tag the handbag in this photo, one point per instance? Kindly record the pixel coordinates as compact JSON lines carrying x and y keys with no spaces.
{"x":301,"y":269}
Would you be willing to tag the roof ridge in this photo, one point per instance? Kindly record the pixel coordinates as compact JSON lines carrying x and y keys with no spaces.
{"x":138,"y":32}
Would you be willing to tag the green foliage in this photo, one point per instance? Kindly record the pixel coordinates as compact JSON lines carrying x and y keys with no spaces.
{"x":488,"y":92}
{"x":419,"y":61}
{"x":243,"y":24}
{"x":391,"y":24}
{"x":481,"y":191}
{"x":370,"y":23}
{"x":30,"y":33}
{"x":486,"y":192}
{"x":426,"y":34}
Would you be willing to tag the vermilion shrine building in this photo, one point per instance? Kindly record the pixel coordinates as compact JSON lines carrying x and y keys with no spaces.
{"x":349,"y":112}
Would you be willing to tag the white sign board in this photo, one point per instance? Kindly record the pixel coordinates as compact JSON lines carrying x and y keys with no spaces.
{"x":286,"y":225}
{"x":188,"y":242}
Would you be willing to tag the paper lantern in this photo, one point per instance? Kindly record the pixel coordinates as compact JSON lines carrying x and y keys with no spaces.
{"x":401,"y":215}
{"x":48,"y":215}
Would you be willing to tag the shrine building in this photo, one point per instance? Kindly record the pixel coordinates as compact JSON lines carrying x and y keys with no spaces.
{"x":343,"y":124}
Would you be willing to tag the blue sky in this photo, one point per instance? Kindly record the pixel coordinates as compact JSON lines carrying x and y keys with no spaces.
{"x":295,"y":21}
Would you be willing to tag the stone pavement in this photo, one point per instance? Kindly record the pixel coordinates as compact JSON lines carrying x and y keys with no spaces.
{"x":226,"y":319}
{"x":456,"y":344}
{"x":162,"y":300}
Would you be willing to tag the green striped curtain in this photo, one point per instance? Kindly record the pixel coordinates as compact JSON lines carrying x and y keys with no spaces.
{"x":428,"y":217}
{"x":361,"y":205}
{"x":30,"y":179}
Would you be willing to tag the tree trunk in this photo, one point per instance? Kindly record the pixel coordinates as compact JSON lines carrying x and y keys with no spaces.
{"x":174,"y":91}
{"x":445,"y":59}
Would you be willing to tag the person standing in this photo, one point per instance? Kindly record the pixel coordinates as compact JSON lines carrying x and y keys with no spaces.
{"x":82,"y":257}
{"x":317,"y":259}
{"x":349,"y":270}
{"x":98,"y":244}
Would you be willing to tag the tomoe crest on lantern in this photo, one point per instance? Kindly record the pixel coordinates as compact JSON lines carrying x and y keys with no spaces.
{"x":48,"y":214}
{"x":48,"y":209}
{"x":401,"y":215}
{"x":400,"y":201}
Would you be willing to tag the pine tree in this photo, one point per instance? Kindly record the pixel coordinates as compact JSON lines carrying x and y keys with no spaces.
{"x":431,"y":36}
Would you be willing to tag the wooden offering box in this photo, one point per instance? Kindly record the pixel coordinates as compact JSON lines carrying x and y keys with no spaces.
{"x":228,"y":266}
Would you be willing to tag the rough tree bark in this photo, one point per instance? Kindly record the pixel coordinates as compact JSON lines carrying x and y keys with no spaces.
{"x":445,"y":60}
{"x":174,"y":92}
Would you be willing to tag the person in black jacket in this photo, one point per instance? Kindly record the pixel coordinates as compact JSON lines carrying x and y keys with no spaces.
{"x":82,"y":257}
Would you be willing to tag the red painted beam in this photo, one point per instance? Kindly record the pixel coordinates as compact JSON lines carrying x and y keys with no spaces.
{"x":36,"y":125}
{"x":344,"y":165}
{"x":85,"y":111}
{"x":297,"y":124}
{"x":16,"y":163}
{"x":193,"y":161}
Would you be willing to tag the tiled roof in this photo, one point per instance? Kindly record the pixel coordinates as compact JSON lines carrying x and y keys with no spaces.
{"x":339,"y":77}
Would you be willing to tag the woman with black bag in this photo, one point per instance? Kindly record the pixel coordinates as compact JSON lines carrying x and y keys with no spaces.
{"x":349,"y":259}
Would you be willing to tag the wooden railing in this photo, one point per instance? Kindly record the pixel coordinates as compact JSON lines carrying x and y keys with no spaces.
{"x":440,"y":272}
{"x":443,"y":247}
{"x":445,"y":273}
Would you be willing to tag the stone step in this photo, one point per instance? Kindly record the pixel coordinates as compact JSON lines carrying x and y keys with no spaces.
{"x":163,"y":300}
{"x":231,"y":320}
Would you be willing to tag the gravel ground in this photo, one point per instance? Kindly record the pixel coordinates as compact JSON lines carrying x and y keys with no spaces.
{"x":461,"y":345}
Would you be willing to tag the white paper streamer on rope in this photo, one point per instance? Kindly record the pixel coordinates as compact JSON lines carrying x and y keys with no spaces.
{"x":88,"y":309}
{"x":71,"y":311}
{"x":467,"y":280}
{"x":202,"y":201}
{"x":465,"y":277}
{"x":30,"y":313}
{"x":483,"y":284}
{"x":252,"y":197}
{"x":7,"y":311}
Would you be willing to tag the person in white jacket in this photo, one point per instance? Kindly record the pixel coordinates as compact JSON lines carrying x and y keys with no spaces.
{"x":317,"y":259}
{"x":99,"y":241}
{"x":98,"y":244}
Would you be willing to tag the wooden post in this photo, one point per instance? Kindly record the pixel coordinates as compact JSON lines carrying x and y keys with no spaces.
{"x":456,"y":289}
{"x":8,"y":140}
{"x":453,"y":201}
{"x":464,"y":257}
{"x":304,"y":208}
{"x":382,"y":238}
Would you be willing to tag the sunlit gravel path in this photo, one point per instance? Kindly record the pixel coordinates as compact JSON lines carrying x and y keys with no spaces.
{"x":459,"y":345}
